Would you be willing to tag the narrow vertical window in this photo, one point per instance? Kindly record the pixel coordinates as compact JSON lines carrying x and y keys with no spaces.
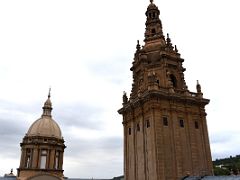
{"x":129,"y":131}
{"x":43,"y":159}
{"x":196,"y":125}
{"x":28,"y":158}
{"x":148,"y":123}
{"x":57,"y":160}
{"x":138,"y":127}
{"x":165,"y":121}
{"x":181,"y":123}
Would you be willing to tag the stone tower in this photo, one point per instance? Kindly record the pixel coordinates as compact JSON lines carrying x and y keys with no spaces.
{"x":42,"y":149}
{"x":165,"y":128}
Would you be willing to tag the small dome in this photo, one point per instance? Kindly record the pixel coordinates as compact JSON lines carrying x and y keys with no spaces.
{"x":152,"y":6}
{"x":46,"y":127}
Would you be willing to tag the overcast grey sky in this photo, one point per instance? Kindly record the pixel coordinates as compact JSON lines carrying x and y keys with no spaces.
{"x":84,"y":49}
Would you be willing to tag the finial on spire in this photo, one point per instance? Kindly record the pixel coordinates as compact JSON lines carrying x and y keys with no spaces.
{"x":169,"y":43}
{"x":49,"y":92}
{"x":151,"y":1}
{"x":138,"y":47}
{"x":198,"y":87}
{"x":125,"y":98}
{"x":176,"y":50}
{"x":168,"y":39}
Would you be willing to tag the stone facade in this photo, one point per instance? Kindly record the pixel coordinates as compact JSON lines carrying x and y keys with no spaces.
{"x":165,"y":128}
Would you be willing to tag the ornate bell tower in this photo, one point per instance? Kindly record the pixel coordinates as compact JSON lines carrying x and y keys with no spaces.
{"x":165,"y":129}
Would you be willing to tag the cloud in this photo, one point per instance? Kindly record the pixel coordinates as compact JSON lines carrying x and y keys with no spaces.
{"x":95,"y":155}
{"x":225,"y":143}
{"x":79,"y":115}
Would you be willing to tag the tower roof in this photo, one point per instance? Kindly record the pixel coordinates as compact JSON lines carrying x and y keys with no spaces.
{"x":45,"y":126}
{"x":152,"y":6}
{"x":153,"y":32}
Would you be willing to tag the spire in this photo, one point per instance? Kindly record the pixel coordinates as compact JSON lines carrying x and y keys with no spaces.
{"x":125,"y":98}
{"x":153,"y":24}
{"x":138,"y":47}
{"x":176,"y":49}
{"x":169,"y":43}
{"x":198,"y":87}
{"x":47,"y":108}
{"x":49,"y":92}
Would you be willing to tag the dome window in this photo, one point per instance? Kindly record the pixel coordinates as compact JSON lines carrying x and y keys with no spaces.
{"x":43,"y":159}
{"x":57,"y":160}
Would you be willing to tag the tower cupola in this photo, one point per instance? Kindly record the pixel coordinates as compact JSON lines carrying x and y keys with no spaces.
{"x":47,"y":108}
{"x":153,"y":24}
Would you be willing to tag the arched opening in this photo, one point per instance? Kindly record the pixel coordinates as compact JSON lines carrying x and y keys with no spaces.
{"x":154,"y":15}
{"x":173,"y":80}
{"x":153,"y":31}
{"x":150,"y":15}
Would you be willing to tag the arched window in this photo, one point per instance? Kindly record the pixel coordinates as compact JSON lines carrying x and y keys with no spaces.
{"x":57,"y":160}
{"x":43,"y":159}
{"x":154,"y":15}
{"x":150,"y":15}
{"x":173,"y":80}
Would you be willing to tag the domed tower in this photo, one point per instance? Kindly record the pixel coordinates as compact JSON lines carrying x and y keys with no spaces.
{"x":165,"y":128}
{"x":42,"y":149}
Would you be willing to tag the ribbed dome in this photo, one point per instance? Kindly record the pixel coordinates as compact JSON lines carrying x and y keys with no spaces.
{"x":46,"y":127}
